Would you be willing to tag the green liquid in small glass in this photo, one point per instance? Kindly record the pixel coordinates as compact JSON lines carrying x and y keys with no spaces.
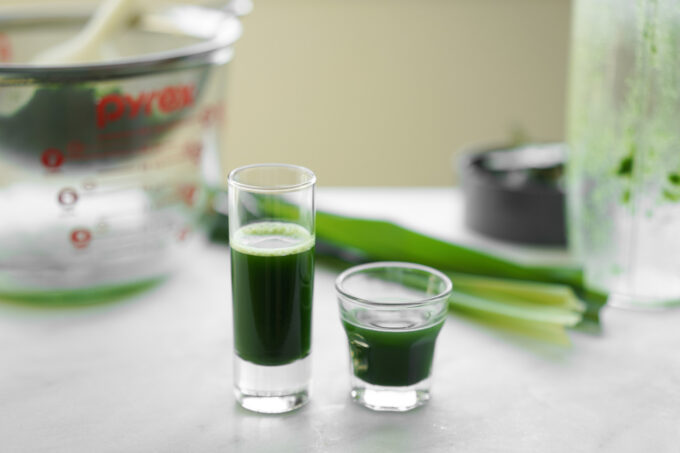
{"x":272,"y":270}
{"x":391,"y":357}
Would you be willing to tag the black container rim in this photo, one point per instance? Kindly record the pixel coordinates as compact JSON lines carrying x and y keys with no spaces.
{"x":470,"y":156}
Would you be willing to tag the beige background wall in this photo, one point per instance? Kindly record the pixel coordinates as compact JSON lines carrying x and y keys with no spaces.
{"x":382,"y":92}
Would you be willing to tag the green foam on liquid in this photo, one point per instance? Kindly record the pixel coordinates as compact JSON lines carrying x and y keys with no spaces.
{"x":272,"y":239}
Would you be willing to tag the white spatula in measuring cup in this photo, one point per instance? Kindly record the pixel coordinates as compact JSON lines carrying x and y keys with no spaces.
{"x":111,"y":16}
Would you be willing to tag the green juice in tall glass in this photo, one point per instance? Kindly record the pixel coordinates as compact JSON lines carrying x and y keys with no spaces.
{"x":395,"y":358}
{"x":272,"y":267}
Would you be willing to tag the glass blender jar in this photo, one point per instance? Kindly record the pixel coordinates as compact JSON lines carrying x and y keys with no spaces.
{"x":624,"y":163}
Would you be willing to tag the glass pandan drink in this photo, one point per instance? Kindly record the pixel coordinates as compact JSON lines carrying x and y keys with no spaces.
{"x":271,"y":228}
{"x":392,"y":313}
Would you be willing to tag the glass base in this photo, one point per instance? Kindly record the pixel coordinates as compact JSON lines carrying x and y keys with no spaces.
{"x":640,"y":288}
{"x":636,"y":303}
{"x":395,"y":399}
{"x":271,"y":389}
{"x":271,"y":404}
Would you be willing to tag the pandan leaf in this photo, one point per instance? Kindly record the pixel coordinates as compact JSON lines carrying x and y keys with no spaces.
{"x":515,"y":308}
{"x":539,"y":293}
{"x":368,"y":239}
{"x":545,"y":332}
{"x":382,"y":240}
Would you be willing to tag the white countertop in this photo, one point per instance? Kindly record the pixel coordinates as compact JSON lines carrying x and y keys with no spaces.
{"x":153,"y":373}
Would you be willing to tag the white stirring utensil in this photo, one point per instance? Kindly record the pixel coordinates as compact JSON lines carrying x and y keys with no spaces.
{"x":86,"y":46}
{"x":111,"y":16}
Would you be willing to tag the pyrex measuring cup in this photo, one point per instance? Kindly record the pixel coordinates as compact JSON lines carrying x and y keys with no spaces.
{"x":100,"y":164}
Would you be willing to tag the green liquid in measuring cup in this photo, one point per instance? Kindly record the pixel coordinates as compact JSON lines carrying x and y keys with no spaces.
{"x":391,"y":357}
{"x":272,"y":268}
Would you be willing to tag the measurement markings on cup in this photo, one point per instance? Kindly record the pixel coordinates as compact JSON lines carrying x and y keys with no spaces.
{"x":53,"y":158}
{"x":157,"y":129}
{"x":81,"y":238}
{"x":137,"y":238}
{"x":5,"y":48}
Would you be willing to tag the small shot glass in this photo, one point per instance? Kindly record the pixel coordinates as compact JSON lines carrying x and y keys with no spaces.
{"x":392,"y":313}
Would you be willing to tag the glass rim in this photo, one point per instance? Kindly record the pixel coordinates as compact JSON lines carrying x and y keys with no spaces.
{"x":398,"y":265}
{"x":281,"y":188}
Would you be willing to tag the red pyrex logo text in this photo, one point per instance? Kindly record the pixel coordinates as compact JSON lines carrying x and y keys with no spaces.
{"x":113,"y":107}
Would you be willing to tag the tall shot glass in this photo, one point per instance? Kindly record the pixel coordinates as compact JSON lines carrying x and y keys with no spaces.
{"x":392,"y":313}
{"x":271,"y":234}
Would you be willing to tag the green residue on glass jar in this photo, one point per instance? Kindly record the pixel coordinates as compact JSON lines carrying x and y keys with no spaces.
{"x":674,"y":178}
{"x":672,"y":193}
{"x":625,"y":197}
{"x":670,"y":196}
{"x":625,"y":169}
